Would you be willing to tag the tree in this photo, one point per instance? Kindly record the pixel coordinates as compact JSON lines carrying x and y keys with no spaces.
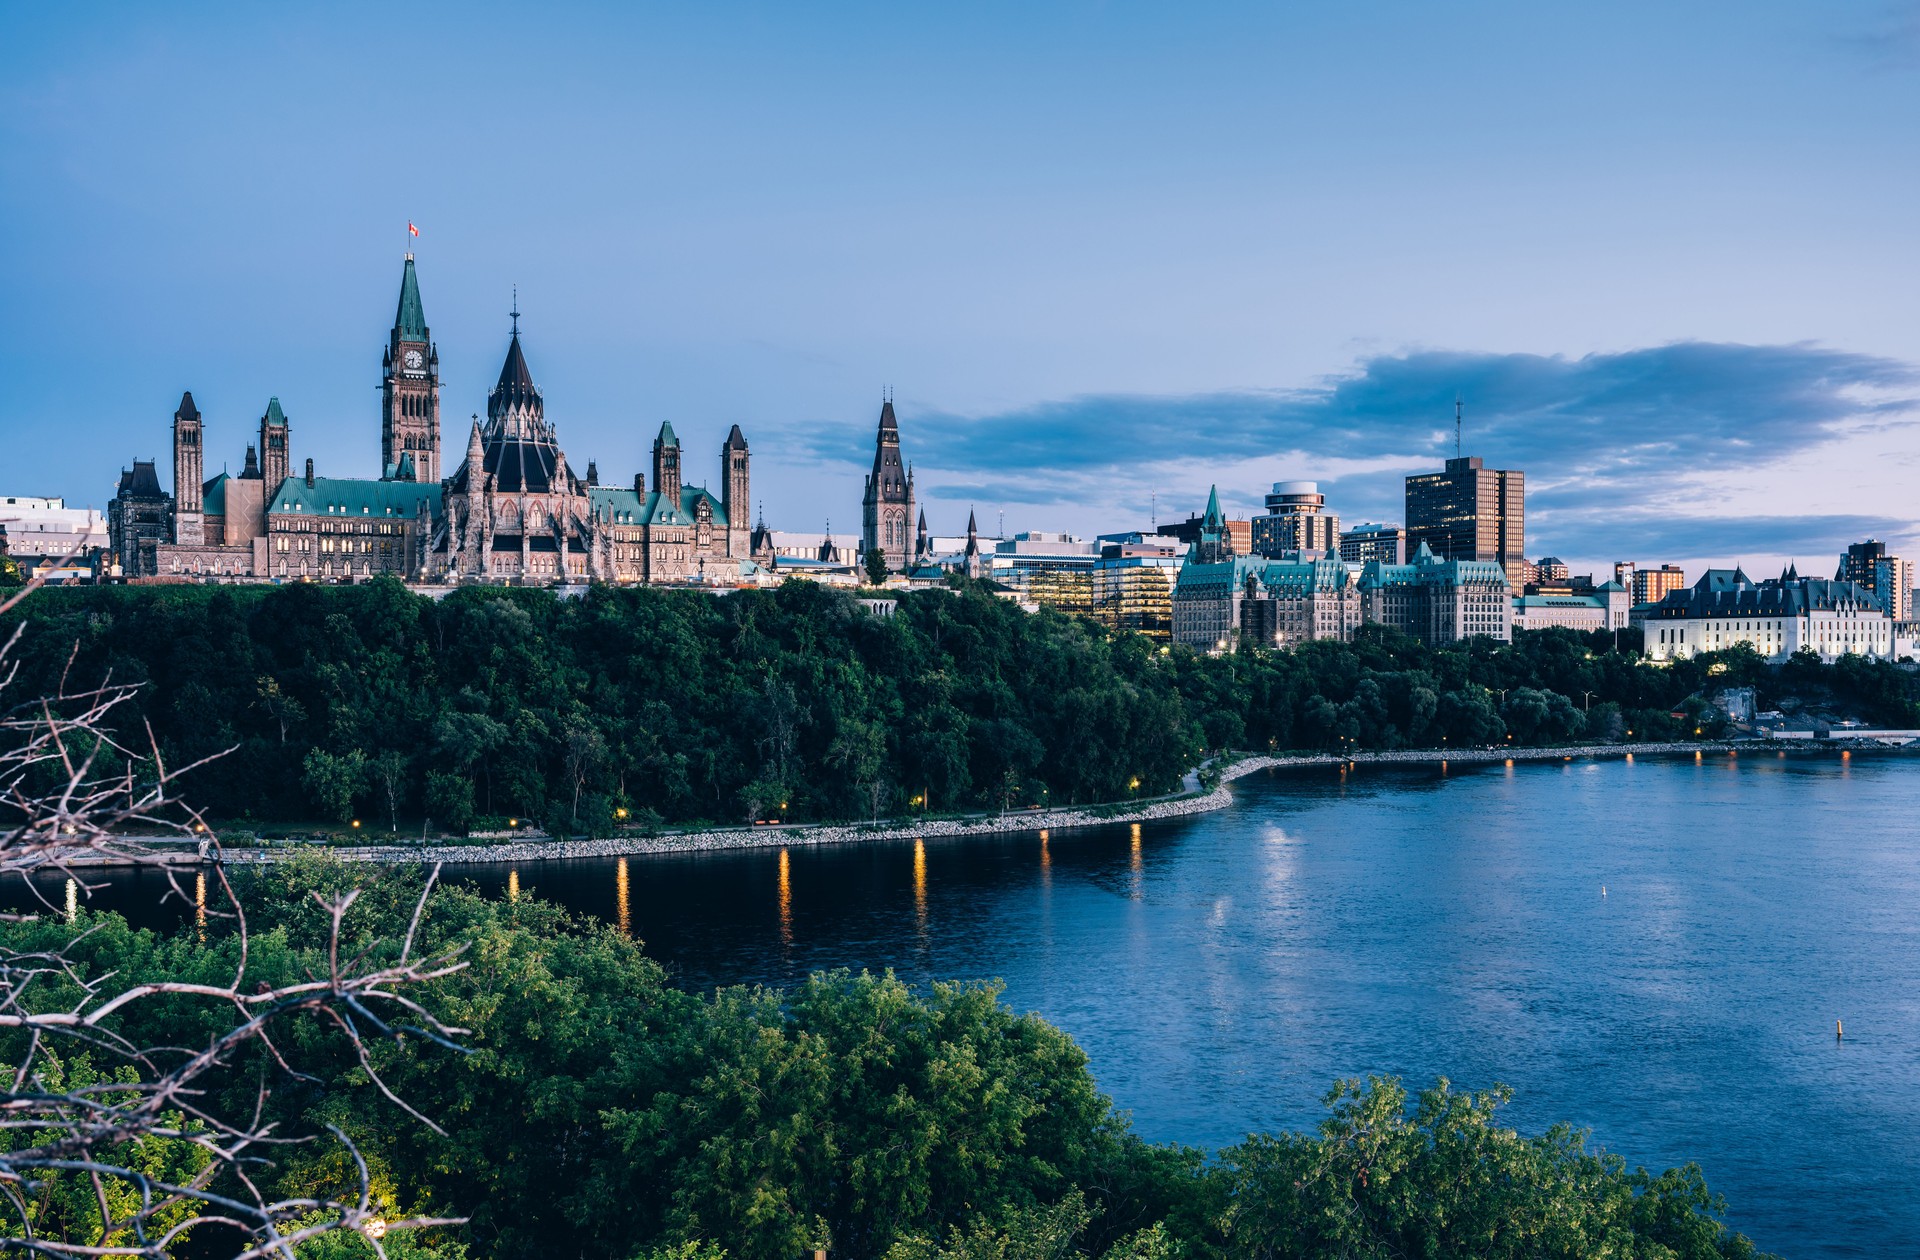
{"x":389,"y":770}
{"x":450,"y":799}
{"x":120,"y":1144}
{"x":333,"y":780}
{"x":876,"y":563}
{"x":585,"y":751}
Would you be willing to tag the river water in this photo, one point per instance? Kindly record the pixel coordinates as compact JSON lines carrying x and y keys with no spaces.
{"x":1657,"y":950}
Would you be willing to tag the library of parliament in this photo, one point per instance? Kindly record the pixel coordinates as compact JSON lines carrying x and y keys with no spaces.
{"x":504,"y":506}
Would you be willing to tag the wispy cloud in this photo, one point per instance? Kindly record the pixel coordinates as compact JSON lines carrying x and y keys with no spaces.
{"x":1610,"y":442}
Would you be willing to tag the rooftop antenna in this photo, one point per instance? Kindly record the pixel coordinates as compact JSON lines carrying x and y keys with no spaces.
{"x":515,"y":312}
{"x":1457,"y":407}
{"x":1153,"y":510}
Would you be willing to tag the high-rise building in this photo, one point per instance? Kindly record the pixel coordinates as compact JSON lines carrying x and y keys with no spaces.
{"x":1296,"y":520}
{"x":1470,"y":512}
{"x":1650,"y":586}
{"x":886,"y":509}
{"x":1890,"y":578}
{"x":1385,"y":543}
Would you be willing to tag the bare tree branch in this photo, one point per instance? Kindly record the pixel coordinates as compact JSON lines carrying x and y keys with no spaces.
{"x":74,"y":796}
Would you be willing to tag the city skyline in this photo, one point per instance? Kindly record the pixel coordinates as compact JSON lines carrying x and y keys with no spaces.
{"x":1144,"y":262}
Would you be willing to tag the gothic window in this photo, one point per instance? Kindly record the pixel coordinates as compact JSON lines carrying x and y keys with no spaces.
{"x":533,"y":516}
{"x":508,"y":516}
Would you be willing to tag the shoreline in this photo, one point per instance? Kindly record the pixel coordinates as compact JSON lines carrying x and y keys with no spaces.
{"x":815,"y":834}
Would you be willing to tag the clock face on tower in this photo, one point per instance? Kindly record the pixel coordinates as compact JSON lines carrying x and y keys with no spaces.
{"x":413,"y":360}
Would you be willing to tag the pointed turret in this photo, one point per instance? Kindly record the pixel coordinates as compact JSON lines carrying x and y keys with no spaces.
{"x":410,"y":322}
{"x":515,"y":401}
{"x":886,"y":509}
{"x":186,"y":410}
{"x":736,"y":441}
{"x":410,"y":388}
{"x":251,"y":470}
{"x":1214,"y":518}
{"x":973,"y":562}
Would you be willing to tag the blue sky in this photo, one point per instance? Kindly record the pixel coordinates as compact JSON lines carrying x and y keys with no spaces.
{"x":1104,"y":253}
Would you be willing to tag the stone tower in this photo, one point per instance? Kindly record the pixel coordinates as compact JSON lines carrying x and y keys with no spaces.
{"x":275,"y":461}
{"x":666,"y":464}
{"x":189,"y":520}
{"x":410,"y":391}
{"x":886,"y":510}
{"x":734,"y":497}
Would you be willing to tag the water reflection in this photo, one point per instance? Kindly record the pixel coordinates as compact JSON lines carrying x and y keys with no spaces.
{"x":920,"y":887}
{"x":1408,"y":921}
{"x":786,"y":901}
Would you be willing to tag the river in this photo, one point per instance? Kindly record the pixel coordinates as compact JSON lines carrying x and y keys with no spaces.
{"x":1654,"y":949}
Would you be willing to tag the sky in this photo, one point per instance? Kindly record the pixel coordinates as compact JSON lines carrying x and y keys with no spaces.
{"x":1105,"y":254}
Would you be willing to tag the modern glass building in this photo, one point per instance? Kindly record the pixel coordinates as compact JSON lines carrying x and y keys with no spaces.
{"x":1470,"y":512}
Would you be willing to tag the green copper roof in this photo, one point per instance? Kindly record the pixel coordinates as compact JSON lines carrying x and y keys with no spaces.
{"x":628,"y":508}
{"x":351,"y":496}
{"x":411,"y":321}
{"x":213,"y":496}
{"x":1214,"y":518}
{"x":274,"y":414}
{"x":667,"y":437}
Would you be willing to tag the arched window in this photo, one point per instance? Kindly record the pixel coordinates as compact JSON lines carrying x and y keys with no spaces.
{"x":533,"y":516}
{"x":507,"y":517}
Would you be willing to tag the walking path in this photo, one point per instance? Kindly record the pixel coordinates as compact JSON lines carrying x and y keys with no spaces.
{"x":1192,"y":800}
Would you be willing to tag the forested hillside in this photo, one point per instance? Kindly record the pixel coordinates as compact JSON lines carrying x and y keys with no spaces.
{"x":375,"y":702}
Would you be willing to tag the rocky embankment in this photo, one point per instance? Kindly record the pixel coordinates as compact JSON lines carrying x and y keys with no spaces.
{"x":539,"y":848}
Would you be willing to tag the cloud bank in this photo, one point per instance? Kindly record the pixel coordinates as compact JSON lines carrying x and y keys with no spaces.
{"x":1688,"y":449}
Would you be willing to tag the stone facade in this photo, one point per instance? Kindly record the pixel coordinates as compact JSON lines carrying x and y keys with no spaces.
{"x":886,"y":509}
{"x":1439,"y":601}
{"x":512,"y":510}
{"x":1775,"y":617}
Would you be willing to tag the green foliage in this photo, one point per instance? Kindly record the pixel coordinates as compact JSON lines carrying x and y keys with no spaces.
{"x":687,"y":707}
{"x":512,"y":703}
{"x":600,"y":1112}
{"x":1446,"y":1180}
{"x":876,"y":565}
{"x":66,"y":1204}
{"x":333,"y":780}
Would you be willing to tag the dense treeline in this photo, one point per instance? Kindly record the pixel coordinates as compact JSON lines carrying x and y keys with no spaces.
{"x":492,"y":704}
{"x":512,"y":703}
{"x":600,"y":1112}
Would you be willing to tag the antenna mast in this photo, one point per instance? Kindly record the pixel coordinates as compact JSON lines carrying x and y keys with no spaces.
{"x":1456,"y":426}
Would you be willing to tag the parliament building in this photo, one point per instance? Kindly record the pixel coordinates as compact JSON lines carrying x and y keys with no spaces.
{"x":509,"y":507}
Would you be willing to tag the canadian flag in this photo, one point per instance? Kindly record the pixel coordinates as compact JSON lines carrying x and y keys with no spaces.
{"x":412,"y":230}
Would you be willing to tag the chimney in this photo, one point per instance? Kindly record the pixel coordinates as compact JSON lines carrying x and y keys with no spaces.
{"x":640,"y":484}
{"x":309,"y":472}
